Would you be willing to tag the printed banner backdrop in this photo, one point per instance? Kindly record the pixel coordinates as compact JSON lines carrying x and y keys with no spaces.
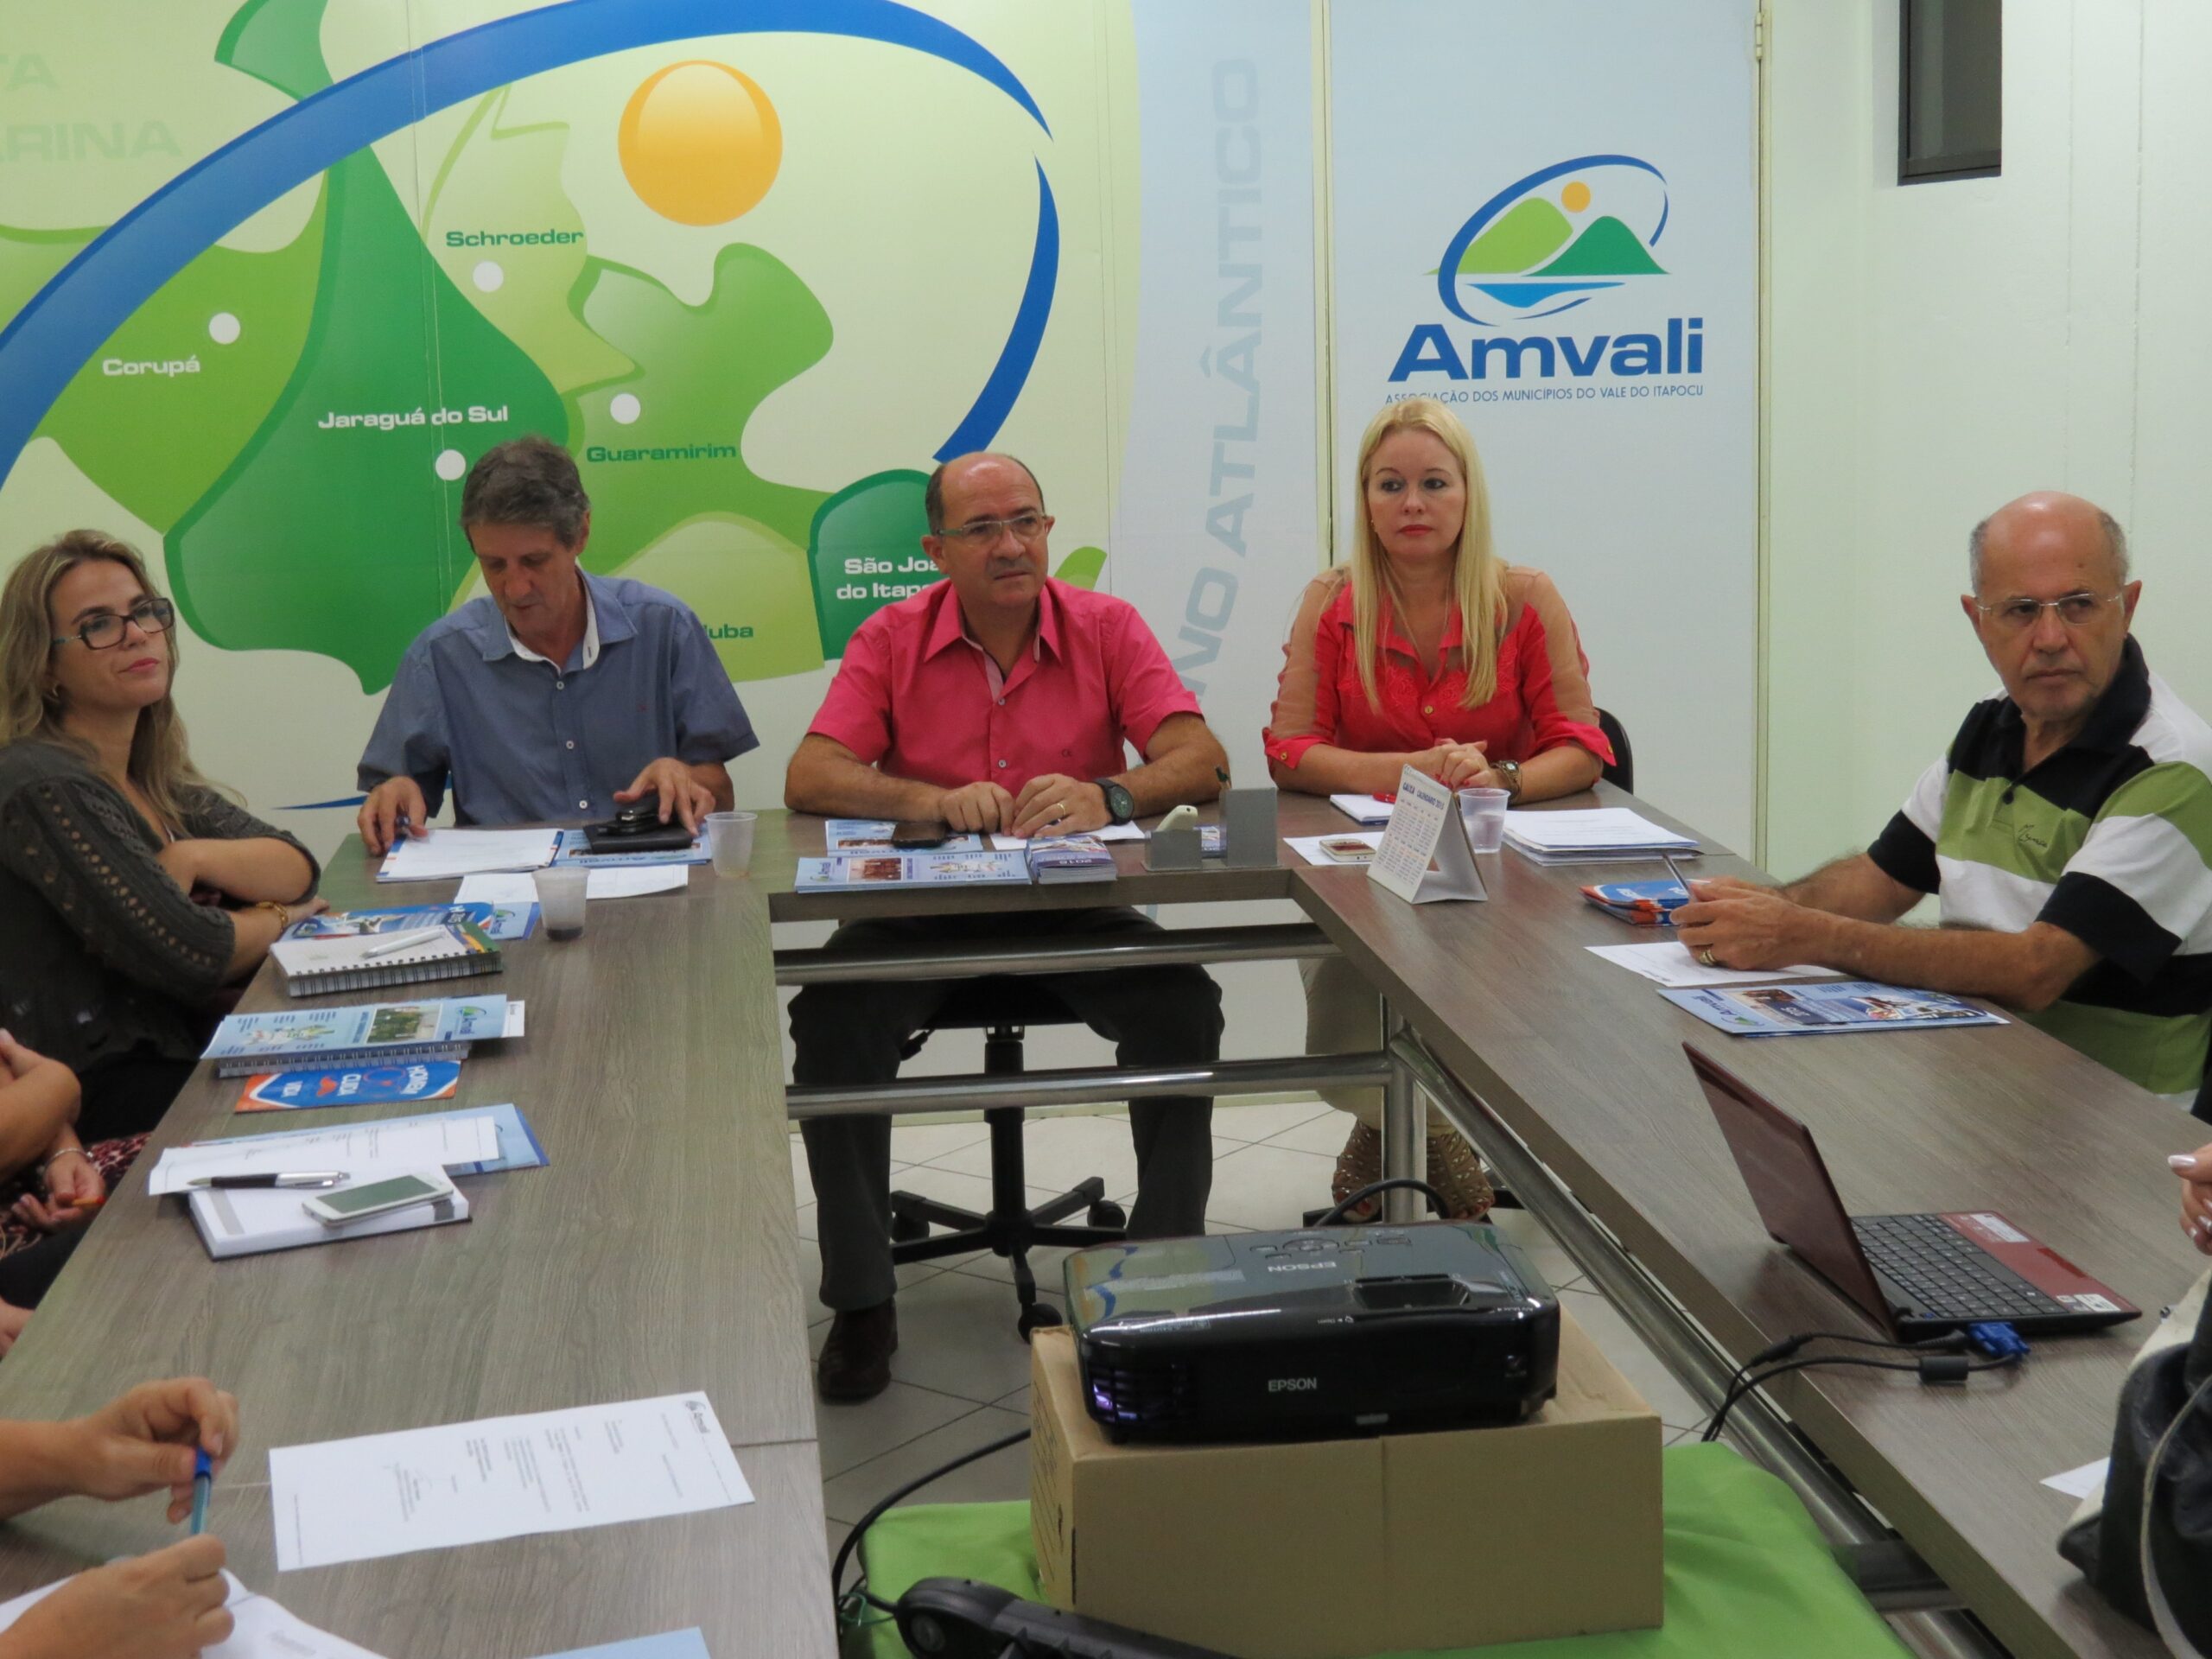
{"x":1217,"y":527}
{"x":1545,"y":213}
{"x":273,"y":273}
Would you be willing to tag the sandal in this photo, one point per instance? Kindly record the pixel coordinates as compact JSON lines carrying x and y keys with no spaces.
{"x":1457,"y":1175}
{"x":1358,"y":1165}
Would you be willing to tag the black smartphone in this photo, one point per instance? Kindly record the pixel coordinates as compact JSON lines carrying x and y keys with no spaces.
{"x":918,"y":835}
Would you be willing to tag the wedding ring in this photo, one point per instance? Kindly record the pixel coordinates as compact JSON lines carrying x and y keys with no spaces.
{"x":1060,"y":811}
{"x":1704,"y":956}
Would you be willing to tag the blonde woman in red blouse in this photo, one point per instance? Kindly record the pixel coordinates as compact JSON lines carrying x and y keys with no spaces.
{"x":1430,"y":652}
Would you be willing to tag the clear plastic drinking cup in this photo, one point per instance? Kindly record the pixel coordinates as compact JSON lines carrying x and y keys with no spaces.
{"x":561,"y":890}
{"x":1483,"y":810}
{"x":729,"y":842}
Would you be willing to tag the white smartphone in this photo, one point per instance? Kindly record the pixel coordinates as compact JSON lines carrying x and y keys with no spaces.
{"x":349,"y":1204}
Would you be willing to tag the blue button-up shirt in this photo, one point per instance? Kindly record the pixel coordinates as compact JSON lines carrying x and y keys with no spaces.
{"x":526,"y":741}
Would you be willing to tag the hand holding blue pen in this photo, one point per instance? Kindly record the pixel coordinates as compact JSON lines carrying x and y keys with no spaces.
{"x":203,"y":1483}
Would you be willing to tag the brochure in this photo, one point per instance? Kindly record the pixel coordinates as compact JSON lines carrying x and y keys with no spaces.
{"x":874,"y":836}
{"x":912,"y":870}
{"x":1069,"y":858}
{"x":437,"y":1029}
{"x":1640,"y":904}
{"x":576,"y":850}
{"x":1818,"y":1008}
{"x":368,"y":1085}
{"x":499,"y":923}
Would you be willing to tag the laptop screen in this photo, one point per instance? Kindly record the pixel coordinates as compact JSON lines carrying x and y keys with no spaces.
{"x":1790,"y":1185}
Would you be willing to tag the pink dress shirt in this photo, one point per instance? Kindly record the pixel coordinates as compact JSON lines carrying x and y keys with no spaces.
{"x":917,"y":697}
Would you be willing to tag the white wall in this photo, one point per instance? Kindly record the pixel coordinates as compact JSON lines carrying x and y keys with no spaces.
{"x":1936,"y":349}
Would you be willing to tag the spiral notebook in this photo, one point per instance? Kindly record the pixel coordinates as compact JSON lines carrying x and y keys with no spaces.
{"x":450,"y":950}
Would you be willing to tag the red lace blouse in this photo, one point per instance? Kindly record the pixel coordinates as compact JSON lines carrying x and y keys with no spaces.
{"x":1543,"y":697}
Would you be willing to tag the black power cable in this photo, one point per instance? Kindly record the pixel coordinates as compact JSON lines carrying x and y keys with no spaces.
{"x":1337,"y":1212}
{"x":860,"y":1593}
{"x":1930,"y":1367}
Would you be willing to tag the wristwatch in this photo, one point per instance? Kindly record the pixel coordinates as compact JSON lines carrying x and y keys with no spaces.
{"x":1508,"y":777}
{"x":1120,"y":805}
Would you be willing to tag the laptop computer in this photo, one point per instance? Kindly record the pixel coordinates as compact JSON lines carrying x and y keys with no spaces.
{"x":1918,"y":1275}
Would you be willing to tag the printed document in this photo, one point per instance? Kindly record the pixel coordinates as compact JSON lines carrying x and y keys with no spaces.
{"x":446,"y":1141}
{"x":444,"y":853}
{"x":1669,"y":963}
{"x":261,"y":1630}
{"x":500,"y":1477}
{"x":621,"y":881}
{"x":675,"y":1644}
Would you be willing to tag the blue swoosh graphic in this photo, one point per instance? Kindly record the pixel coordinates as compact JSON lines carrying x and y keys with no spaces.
{"x":1447,"y":273}
{"x":996,"y":398}
{"x":89,"y":298}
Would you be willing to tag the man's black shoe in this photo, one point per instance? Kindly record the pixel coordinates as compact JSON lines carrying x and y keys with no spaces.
{"x":856,"y":1362}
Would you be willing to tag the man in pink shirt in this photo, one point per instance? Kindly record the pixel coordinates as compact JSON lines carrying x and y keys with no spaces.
{"x":996,"y":700}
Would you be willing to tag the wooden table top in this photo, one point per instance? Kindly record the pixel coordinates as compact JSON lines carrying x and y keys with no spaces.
{"x":1584,"y":1060}
{"x":655,"y":1255}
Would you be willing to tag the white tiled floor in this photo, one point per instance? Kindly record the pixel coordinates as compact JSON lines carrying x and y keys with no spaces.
{"x":962,"y":1373}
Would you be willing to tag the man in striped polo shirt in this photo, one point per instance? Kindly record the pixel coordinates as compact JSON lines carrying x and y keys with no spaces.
{"x":2069,"y":830}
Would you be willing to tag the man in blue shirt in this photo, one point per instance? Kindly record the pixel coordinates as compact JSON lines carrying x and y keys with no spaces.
{"x":541,"y":699}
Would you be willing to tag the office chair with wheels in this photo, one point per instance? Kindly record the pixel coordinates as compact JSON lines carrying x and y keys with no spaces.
{"x":1001,"y":1007}
{"x":1622,"y":773}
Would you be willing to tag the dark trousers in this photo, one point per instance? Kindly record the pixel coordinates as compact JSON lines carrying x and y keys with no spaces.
{"x":851,"y":1033}
{"x":128,"y":1095}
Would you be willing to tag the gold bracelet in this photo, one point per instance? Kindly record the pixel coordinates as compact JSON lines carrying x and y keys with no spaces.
{"x":283,"y":913}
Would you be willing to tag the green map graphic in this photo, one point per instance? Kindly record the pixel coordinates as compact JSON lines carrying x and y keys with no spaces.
{"x":1531,"y":229}
{"x":297,"y":423}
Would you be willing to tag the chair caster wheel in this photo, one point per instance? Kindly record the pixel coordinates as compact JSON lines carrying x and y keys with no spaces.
{"x":1107,"y":1213}
{"x":1034,"y":1317}
{"x":904,"y":1229}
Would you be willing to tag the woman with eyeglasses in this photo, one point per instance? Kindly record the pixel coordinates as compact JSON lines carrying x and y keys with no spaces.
{"x":1430,"y":652}
{"x":132,"y":893}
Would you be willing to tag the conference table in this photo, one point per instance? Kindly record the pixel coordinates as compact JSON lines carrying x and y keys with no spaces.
{"x":655,"y":1254}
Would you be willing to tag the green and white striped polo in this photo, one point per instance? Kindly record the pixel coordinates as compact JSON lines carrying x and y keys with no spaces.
{"x":2111,"y":839}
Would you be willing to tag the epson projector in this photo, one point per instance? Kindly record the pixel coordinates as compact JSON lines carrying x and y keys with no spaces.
{"x":1329,"y":1331}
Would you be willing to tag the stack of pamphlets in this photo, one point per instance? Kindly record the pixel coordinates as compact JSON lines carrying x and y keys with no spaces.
{"x":1070,"y":858}
{"x":1364,"y":808}
{"x":1640,"y":904}
{"x":367,"y":962}
{"x":1598,"y":834}
{"x":859,"y":870}
{"x":874,"y":836}
{"x":444,"y":853}
{"x":1847,"y":1004}
{"x":377,"y":1033}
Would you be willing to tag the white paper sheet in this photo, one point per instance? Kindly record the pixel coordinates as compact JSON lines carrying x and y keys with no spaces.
{"x":2080,"y":1483}
{"x":1309,"y":846}
{"x":1595,"y":828}
{"x":261,"y":1629}
{"x":619,"y":881}
{"x":444,"y":853}
{"x":500,"y":1477}
{"x":357,"y":1149}
{"x":1364,"y":808}
{"x":1111,"y":832}
{"x":514,"y":1025}
{"x":1669,"y":963}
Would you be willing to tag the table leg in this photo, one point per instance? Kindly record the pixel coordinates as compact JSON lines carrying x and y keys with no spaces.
{"x":1405,"y":1147}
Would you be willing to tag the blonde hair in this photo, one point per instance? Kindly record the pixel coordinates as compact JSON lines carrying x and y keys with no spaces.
{"x":1478,"y":577}
{"x":161,"y":761}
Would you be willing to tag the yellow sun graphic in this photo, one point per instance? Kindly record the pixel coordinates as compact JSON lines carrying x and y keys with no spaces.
{"x":700,"y":142}
{"x":1575,"y":197}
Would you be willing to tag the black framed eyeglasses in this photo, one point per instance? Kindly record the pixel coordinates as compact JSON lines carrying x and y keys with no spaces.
{"x":105,"y":630}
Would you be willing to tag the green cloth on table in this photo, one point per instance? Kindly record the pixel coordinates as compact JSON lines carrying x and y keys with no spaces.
{"x":1747,"y":1574}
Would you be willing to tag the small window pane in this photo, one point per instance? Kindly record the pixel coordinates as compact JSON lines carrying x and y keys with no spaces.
{"x":1950,"y":89}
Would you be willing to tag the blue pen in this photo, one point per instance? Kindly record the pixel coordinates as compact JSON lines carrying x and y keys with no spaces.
{"x":203,"y":1483}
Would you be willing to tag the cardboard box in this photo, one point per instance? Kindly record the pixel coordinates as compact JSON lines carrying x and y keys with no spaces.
{"x":1331,"y":1549}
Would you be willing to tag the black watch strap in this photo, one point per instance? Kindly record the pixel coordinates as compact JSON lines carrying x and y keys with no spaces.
{"x":1120,"y":805}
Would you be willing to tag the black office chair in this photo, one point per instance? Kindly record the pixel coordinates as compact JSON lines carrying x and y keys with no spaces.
{"x":1622,"y":773}
{"x":1001,"y":1007}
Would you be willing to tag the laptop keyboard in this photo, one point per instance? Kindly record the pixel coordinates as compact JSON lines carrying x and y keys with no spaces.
{"x":1948,"y":1275}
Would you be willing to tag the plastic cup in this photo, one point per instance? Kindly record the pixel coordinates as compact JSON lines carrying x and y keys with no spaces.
{"x":729,"y":842}
{"x":1483,"y":810}
{"x":561,"y":891}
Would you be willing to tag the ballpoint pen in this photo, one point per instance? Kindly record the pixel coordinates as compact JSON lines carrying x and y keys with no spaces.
{"x":1683,"y":880}
{"x":399,"y":942}
{"x":295,"y":1178}
{"x":203,"y":1483}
